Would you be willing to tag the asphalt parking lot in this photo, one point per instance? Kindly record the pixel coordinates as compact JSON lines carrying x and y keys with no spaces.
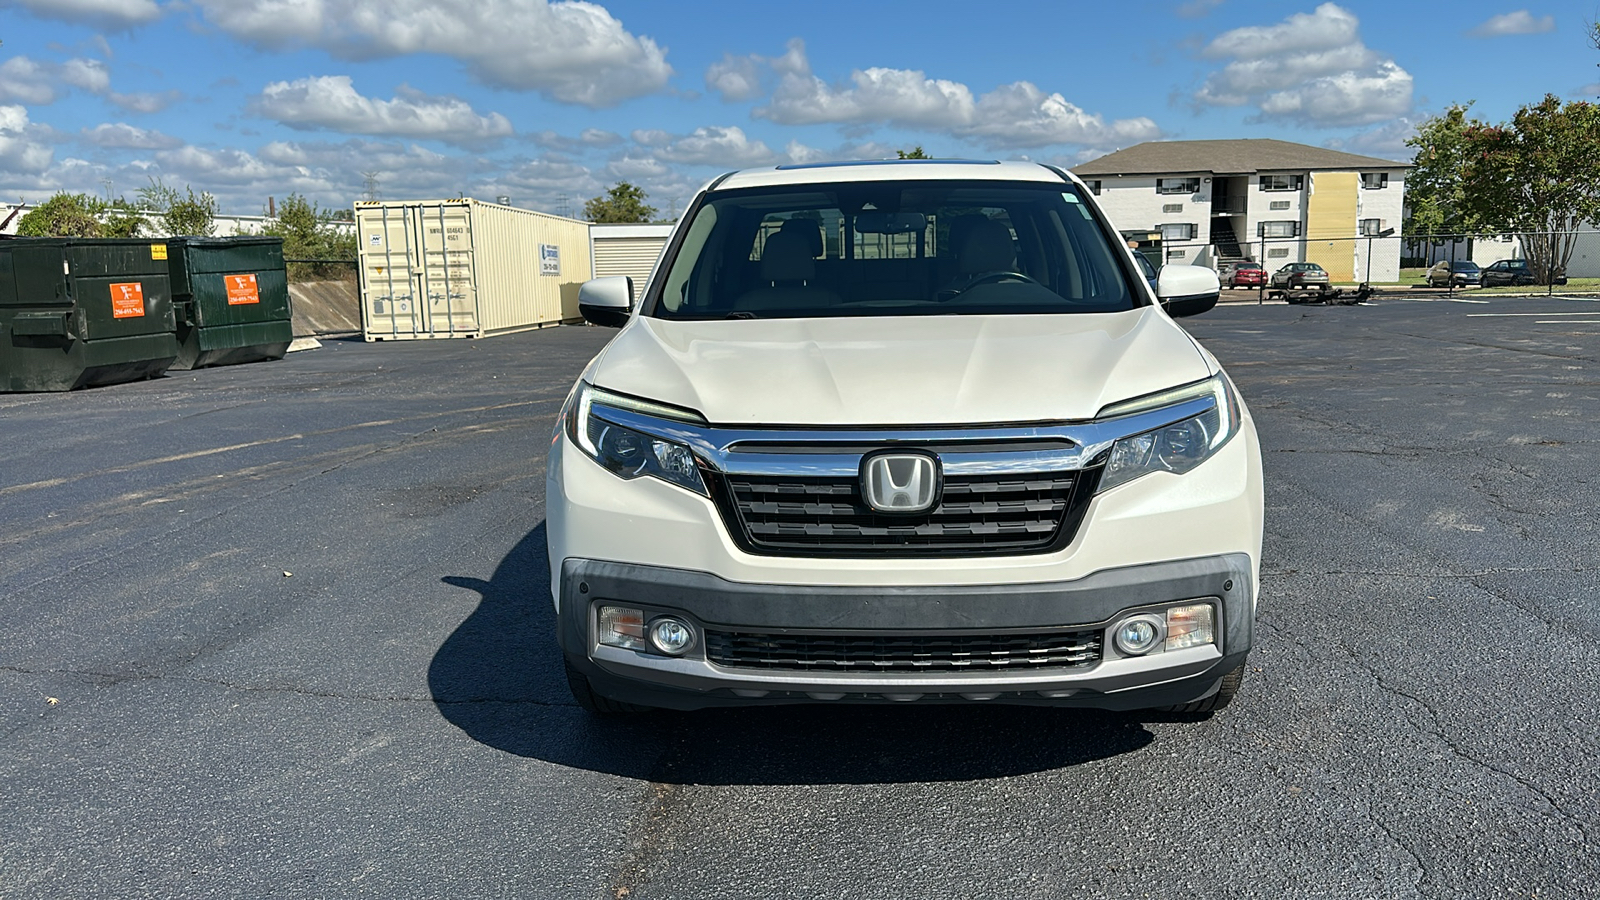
{"x":283,"y":630}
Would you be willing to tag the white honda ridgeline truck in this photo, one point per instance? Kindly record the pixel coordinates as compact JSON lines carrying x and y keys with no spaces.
{"x":903,"y":431}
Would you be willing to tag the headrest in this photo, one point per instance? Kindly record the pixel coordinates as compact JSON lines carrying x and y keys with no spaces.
{"x":960,"y":227}
{"x":986,"y":248}
{"x":809,"y":229}
{"x":787,"y":257}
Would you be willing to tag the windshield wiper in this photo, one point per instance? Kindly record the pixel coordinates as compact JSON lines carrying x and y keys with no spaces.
{"x":740,"y":314}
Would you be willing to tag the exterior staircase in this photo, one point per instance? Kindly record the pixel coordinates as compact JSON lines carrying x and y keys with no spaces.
{"x":1226,"y":241}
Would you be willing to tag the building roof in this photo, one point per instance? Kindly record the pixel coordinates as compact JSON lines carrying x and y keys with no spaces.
{"x":1236,"y":157}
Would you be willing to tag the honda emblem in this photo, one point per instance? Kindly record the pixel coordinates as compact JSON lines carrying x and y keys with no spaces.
{"x":901,"y":483}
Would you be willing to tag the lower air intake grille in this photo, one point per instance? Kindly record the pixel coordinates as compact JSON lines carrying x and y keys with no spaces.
{"x":871,"y":653}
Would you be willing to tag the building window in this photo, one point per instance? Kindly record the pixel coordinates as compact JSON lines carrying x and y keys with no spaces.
{"x":1184,"y":231}
{"x":1374,"y":181}
{"x":1278,"y":253}
{"x":1371,"y":227}
{"x":1177,"y":254}
{"x":1278,"y":205}
{"x":1094,"y":187}
{"x":1172,"y":207}
{"x":1282,"y":182}
{"x":1177,"y":185}
{"x":1282,"y":229}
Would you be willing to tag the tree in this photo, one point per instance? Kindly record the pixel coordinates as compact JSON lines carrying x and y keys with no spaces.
{"x":622,"y":203}
{"x":1435,"y":191}
{"x":122,"y":220}
{"x":916,"y":153}
{"x":1537,"y":176}
{"x":308,"y":233}
{"x":180,"y":214}
{"x":64,"y":215}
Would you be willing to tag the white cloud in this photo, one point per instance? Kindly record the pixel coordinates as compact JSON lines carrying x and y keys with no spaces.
{"x":635,"y":166}
{"x":1195,"y":9}
{"x":110,"y":14}
{"x":736,"y":78}
{"x":651,"y":137}
{"x":122,"y":136}
{"x":1519,"y":22}
{"x":330,"y":102}
{"x":87,"y":74}
{"x":576,"y":52}
{"x":37,"y":83}
{"x":723,"y":147}
{"x":145,"y":102}
{"x":1014,"y":115}
{"x":23,"y":148}
{"x":587,"y":139}
{"x":1387,"y":141}
{"x":1311,"y":67}
{"x":27,"y":80}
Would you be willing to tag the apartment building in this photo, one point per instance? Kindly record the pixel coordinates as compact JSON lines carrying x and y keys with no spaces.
{"x":1276,"y":202}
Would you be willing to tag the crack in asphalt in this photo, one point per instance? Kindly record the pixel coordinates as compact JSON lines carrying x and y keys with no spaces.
{"x":112,"y":679}
{"x":1482,"y":573}
{"x":1556,"y":809}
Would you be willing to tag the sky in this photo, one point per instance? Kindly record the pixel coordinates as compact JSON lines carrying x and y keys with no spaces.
{"x":549,"y":103}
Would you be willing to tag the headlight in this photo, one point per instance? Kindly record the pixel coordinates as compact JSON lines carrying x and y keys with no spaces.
{"x":1178,"y":447}
{"x":628,"y":453}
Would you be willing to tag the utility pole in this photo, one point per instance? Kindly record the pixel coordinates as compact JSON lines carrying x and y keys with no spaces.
{"x":371,"y":180}
{"x":563,"y":207}
{"x":106,"y":182}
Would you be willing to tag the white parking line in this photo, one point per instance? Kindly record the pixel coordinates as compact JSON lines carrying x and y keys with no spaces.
{"x":1530,"y":315}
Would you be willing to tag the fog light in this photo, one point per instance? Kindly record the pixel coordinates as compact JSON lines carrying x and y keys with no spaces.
{"x":622,"y":627}
{"x":1139,"y":635}
{"x":671,"y":636}
{"x":1190,"y":626}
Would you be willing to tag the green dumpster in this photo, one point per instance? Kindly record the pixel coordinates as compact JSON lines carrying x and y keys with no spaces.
{"x":232,"y":300}
{"x":78,"y":313}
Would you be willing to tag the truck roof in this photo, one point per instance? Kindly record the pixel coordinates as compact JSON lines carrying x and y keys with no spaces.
{"x":890,"y":170}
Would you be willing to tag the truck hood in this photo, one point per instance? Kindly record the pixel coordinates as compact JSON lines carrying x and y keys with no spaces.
{"x":907,"y":370}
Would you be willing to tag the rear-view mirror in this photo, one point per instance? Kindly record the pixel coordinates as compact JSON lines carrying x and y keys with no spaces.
{"x":890,"y":223}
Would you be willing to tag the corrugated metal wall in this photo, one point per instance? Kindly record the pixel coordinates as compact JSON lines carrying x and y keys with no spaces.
{"x":1331,"y":223}
{"x":461,"y":268}
{"x":634,"y":257}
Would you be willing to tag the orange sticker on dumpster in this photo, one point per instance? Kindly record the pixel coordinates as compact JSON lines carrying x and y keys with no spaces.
{"x":127,"y":300}
{"x":242,"y":289}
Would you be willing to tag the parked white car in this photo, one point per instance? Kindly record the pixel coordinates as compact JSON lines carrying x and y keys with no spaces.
{"x":903,"y":431}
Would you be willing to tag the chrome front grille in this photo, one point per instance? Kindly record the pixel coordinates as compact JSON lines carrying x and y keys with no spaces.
{"x":880,"y":653}
{"x":978,"y":514}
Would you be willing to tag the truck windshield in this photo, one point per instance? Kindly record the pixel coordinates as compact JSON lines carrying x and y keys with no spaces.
{"x":891,"y":249}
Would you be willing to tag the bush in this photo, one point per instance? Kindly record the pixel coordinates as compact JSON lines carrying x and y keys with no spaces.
{"x":186,"y":214}
{"x":64,"y":215}
{"x":308,"y":233}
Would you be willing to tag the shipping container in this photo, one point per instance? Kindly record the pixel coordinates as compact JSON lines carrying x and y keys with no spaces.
{"x":631,"y":250}
{"x":464,"y":268}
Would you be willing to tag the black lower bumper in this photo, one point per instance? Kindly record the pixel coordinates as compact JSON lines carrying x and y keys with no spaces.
{"x":1095,"y":601}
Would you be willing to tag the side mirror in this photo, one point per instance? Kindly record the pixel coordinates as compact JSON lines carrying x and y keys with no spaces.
{"x":606,"y":301}
{"x":1187,"y":290}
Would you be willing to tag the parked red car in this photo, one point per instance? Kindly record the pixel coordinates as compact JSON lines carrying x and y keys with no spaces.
{"x":1245,"y":274}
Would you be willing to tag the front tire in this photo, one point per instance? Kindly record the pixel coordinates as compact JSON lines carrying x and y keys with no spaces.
{"x":1226,"y":691}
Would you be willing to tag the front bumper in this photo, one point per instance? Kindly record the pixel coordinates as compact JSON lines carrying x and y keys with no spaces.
{"x":1091,"y":602}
